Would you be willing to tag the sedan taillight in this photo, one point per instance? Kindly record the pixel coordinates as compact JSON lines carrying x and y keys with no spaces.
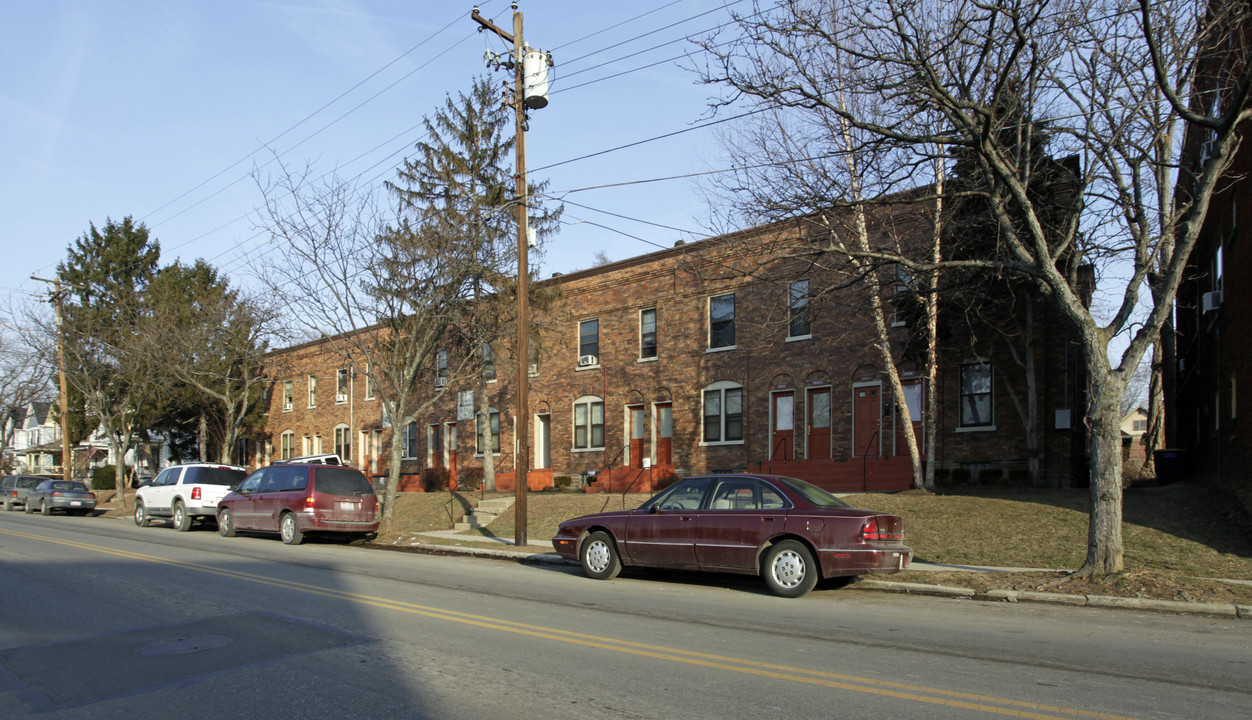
{"x":872,"y":529}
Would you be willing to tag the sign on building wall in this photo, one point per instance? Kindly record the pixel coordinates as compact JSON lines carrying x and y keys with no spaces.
{"x":465,"y":405}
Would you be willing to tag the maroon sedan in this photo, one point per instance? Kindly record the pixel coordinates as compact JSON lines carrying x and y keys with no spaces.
{"x":788,"y":531}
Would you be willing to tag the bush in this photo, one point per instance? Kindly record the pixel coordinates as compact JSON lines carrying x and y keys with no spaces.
{"x":663,"y":479}
{"x":1019,"y":476}
{"x":105,"y":477}
{"x":990,"y":476}
{"x":942,"y":476}
{"x":562,"y":482}
{"x":469,"y":479}
{"x":960,"y":476}
{"x":435,"y":479}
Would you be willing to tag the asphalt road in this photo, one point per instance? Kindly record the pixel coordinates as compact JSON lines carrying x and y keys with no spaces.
{"x":101,"y":619}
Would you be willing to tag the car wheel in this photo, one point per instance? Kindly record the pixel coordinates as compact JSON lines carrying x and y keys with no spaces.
{"x":288,"y":529}
{"x":599,"y":557}
{"x":225,"y":524}
{"x":789,"y":570}
{"x":44,"y":508}
{"x":27,"y":508}
{"x":182,"y":521}
{"x":141,"y":514}
{"x":8,"y":505}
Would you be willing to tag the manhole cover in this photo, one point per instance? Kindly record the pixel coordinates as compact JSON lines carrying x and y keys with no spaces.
{"x":184,"y":645}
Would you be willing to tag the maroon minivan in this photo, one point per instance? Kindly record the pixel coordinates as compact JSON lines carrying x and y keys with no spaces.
{"x":292,"y":500}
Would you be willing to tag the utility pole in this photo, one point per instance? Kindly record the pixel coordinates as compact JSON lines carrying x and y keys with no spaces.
{"x":67,"y":461}
{"x":518,"y":61}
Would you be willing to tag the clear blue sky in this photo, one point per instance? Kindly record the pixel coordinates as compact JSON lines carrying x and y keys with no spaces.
{"x":161,"y":110}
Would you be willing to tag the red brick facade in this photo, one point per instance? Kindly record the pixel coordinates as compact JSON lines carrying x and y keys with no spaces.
{"x":780,"y":383}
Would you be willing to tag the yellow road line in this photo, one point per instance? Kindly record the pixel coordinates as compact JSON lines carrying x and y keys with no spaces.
{"x":903,"y":691}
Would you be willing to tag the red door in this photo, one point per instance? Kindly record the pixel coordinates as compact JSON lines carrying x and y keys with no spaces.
{"x":783,"y":442}
{"x":913,"y":398}
{"x":819,"y":423}
{"x":436,"y":445}
{"x":866,"y":420}
{"x":638,"y":429}
{"x":664,"y":434}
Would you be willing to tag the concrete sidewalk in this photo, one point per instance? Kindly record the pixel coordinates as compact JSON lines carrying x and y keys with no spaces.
{"x":542,"y":552}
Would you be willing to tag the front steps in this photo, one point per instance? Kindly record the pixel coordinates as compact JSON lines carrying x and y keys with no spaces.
{"x":484,"y":514}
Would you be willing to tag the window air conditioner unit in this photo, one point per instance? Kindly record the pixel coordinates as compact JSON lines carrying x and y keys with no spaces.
{"x":533,"y":369}
{"x":341,"y":397}
{"x":588,"y":360}
{"x":440,"y":382}
{"x":1210,"y":301}
{"x":286,"y":407}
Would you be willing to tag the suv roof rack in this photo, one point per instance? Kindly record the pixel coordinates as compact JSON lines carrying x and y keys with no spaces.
{"x":328,"y":459}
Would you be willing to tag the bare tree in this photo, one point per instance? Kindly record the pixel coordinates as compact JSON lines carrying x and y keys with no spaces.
{"x":25,"y":374}
{"x":1116,"y":83}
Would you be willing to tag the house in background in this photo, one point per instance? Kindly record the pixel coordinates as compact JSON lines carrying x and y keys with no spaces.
{"x":1134,"y":426}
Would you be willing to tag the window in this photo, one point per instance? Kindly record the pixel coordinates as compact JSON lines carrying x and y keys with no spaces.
{"x":408,"y":438}
{"x":1139,"y":426}
{"x":976,"y":407}
{"x":722,"y":321}
{"x":287,"y":396}
{"x":312,"y":391}
{"x":647,"y":333}
{"x":798,"y":310}
{"x":723,"y":413}
{"x":489,"y":362}
{"x":589,"y":342}
{"x":441,"y":369}
{"x":341,"y":385}
{"x":484,"y":425}
{"x":589,"y":423}
{"x":369,"y":382}
{"x":287,"y":445}
{"x":343,"y":442}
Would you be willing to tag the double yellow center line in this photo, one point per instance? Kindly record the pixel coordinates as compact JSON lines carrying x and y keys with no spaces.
{"x":884,"y":688}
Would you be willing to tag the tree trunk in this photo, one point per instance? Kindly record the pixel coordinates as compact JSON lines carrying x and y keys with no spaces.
{"x":489,"y":458}
{"x":1104,"y":534}
{"x":204,"y":439}
{"x":1156,"y":404}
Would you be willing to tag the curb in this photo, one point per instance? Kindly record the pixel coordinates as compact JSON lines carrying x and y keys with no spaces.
{"x":1243,"y":612}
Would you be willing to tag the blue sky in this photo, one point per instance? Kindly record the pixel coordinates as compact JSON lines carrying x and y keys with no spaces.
{"x":161,"y":110}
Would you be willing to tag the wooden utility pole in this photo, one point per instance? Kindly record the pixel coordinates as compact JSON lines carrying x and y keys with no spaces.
{"x":67,"y":461}
{"x":522,"y":424}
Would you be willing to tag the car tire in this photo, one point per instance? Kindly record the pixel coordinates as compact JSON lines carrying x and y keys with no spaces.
{"x":289,"y":530}
{"x":44,"y":508}
{"x":141,"y":514}
{"x":788,"y":569}
{"x":225,"y":524}
{"x":27,"y":509}
{"x":182,"y":521}
{"x":8,"y":505}
{"x":599,"y":557}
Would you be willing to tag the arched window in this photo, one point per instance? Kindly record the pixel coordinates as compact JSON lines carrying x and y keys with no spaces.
{"x":589,"y":423}
{"x":287,"y":445}
{"x":723,"y":413}
{"x":343,"y":442}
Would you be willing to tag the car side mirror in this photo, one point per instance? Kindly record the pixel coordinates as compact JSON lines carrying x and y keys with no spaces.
{"x":654,"y":510}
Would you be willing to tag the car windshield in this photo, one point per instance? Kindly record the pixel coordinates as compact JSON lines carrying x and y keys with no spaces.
{"x":336,"y":480}
{"x":214,"y":476}
{"x":810,"y":492}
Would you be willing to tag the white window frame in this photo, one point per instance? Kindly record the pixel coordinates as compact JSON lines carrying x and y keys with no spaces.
{"x":589,"y":404}
{"x":990,"y":425}
{"x":656,"y":329}
{"x":720,"y":390}
{"x":795,"y":305}
{"x":708,"y":314}
{"x":287,"y":445}
{"x":343,"y":449}
{"x":312,"y":380}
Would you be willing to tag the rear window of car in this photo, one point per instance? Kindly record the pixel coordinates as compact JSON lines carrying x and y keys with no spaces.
{"x":28,"y":482}
{"x":812,"y":493}
{"x":69,"y":486}
{"x":213,"y":476}
{"x":336,"y":480}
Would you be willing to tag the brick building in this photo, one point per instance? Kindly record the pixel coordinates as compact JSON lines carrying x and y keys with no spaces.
{"x":709,"y":356}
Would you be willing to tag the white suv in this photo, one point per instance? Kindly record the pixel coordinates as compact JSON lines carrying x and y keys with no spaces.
{"x":185,"y":493}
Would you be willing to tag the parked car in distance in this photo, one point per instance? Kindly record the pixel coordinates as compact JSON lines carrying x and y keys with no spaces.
{"x":788,"y":531}
{"x":186,"y":493}
{"x":15,"y":487}
{"x":327,"y":459}
{"x":69,"y":496}
{"x":293,"y":500}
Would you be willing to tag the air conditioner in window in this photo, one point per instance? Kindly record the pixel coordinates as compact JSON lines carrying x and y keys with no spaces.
{"x":440,"y":382}
{"x":1210,"y":301}
{"x":341,"y":397}
{"x":533,"y":369}
{"x":588,"y":360}
{"x":286,"y":407}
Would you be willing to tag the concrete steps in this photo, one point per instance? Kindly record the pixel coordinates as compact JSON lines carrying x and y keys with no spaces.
{"x":484,"y":514}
